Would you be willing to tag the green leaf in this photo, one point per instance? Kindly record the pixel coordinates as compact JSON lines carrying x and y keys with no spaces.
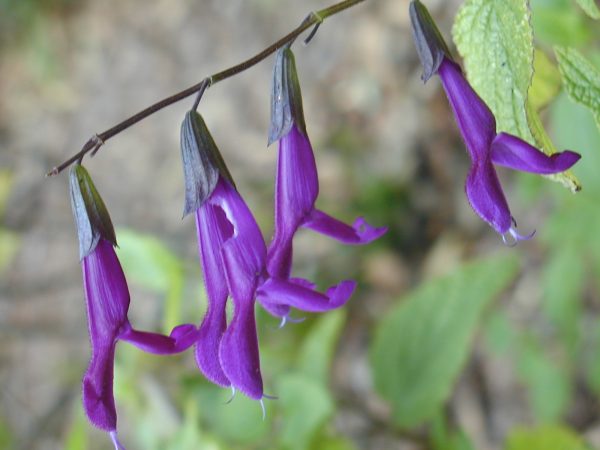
{"x":585,"y":139}
{"x":549,"y":437}
{"x":306,"y":405}
{"x":581,"y":79}
{"x":442,"y":437}
{"x":556,"y":22}
{"x":421,"y":346}
{"x":499,"y":333}
{"x":563,"y":280}
{"x":76,"y":438}
{"x":590,"y":8}
{"x":495,"y":39}
{"x":318,"y":347}
{"x":151,"y":264}
{"x":332,"y":443}
{"x":549,"y":388}
{"x":591,"y":358}
{"x":545,"y":83}
{"x":239,"y":421}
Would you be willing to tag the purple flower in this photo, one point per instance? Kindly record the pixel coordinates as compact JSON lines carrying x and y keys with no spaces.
{"x":296,"y":181}
{"x":233,"y":254}
{"x":107,"y":301}
{"x":477,"y":125}
{"x":486,"y":148}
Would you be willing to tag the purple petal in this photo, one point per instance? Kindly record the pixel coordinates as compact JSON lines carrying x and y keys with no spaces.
{"x":512,"y":152}
{"x":276,"y":310}
{"x":106,"y":292}
{"x":296,"y":190}
{"x":243,"y":256}
{"x":239,"y":351}
{"x":282,"y":310}
{"x":212,"y":228}
{"x":98,"y":396}
{"x":181,"y":338}
{"x":486,"y":197}
{"x":107,"y":300}
{"x":278,"y":291}
{"x":359,"y":233}
{"x":246,"y":245}
{"x":296,"y":182}
{"x":475,"y":120}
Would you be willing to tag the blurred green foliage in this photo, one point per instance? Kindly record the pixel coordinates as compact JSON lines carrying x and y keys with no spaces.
{"x":18,"y":17}
{"x":420,"y":348}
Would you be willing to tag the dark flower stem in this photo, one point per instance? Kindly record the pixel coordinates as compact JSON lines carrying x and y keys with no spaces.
{"x":96,"y":141}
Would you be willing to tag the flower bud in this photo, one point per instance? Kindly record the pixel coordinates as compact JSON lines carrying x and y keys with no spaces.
{"x":286,"y":98}
{"x":91,"y":216}
{"x":431,"y":46}
{"x":202,"y":162}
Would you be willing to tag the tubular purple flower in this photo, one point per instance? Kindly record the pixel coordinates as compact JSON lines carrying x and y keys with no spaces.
{"x":107,"y":301}
{"x":296,"y":181}
{"x":477,"y":126}
{"x":233,"y":254}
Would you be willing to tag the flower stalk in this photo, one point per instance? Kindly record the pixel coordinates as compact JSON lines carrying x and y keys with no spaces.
{"x":99,"y":139}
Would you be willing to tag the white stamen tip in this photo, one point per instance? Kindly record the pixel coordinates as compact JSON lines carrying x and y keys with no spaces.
{"x":283,"y":321}
{"x":232,"y":396}
{"x":115,"y":440}
{"x":264,"y":411}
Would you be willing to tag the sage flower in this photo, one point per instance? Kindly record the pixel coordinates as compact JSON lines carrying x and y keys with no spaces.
{"x":477,"y":126}
{"x":233,"y":254}
{"x":296,"y":180}
{"x":107,"y":302}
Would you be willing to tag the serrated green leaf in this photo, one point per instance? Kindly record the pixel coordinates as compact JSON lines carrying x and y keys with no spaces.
{"x":421,"y":346}
{"x":549,"y":437}
{"x":581,"y":79}
{"x":545,"y":83}
{"x":150,"y":263}
{"x":306,"y":404}
{"x":496,"y":42}
{"x":590,"y":8}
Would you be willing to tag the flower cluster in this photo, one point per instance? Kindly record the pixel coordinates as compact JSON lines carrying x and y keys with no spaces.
{"x":235,"y":260}
{"x":107,"y":302}
{"x":237,"y":263}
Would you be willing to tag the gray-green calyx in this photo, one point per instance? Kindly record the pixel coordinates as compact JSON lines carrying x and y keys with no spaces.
{"x":286,"y":98}
{"x":91,"y":216}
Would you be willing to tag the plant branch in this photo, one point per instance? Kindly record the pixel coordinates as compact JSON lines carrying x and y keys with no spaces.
{"x":96,"y":141}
